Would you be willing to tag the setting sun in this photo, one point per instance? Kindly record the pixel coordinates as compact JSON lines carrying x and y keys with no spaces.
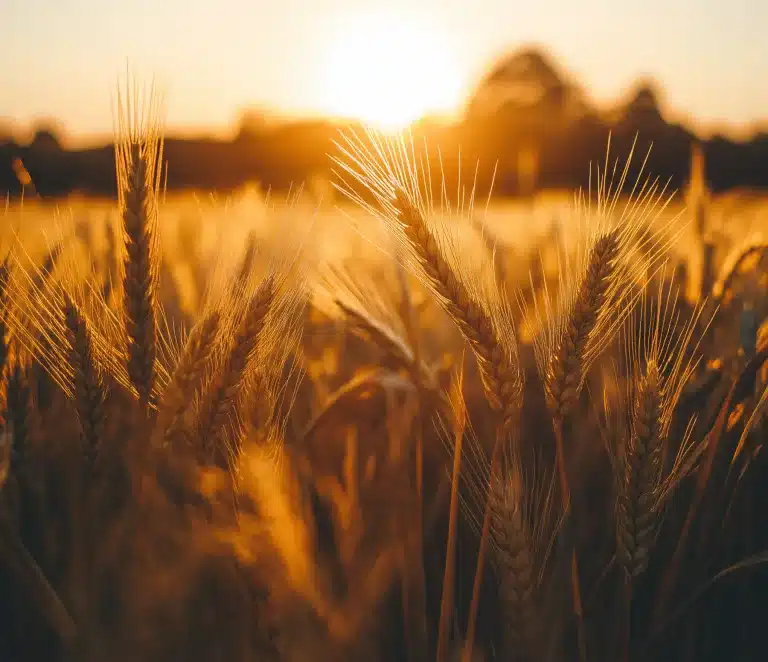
{"x":388,"y":70}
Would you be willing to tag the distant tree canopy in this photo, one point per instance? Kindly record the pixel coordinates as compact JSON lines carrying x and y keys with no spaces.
{"x":46,"y":137}
{"x":255,"y":122}
{"x":526,"y":80}
{"x":7,"y":134}
{"x":643,"y":105}
{"x":527,"y":125}
{"x":252,"y":122}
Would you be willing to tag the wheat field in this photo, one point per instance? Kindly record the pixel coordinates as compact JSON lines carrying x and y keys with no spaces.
{"x":395,"y":424}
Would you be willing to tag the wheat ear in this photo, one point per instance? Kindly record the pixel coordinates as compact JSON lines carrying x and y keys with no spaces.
{"x":522,"y":523}
{"x":500,"y":378}
{"x":190,"y":370}
{"x":399,"y":184}
{"x":221,"y":396}
{"x":617,"y":245}
{"x":661,"y":361}
{"x":514,"y":557}
{"x":138,"y":284}
{"x":138,"y":157}
{"x":402,"y":188}
{"x":565,"y":371}
{"x":636,"y":517}
{"x":87,"y":387}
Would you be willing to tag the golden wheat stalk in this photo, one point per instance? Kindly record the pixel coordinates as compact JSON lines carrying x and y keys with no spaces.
{"x":257,"y":340}
{"x":565,"y":368}
{"x":637,"y":516}
{"x":190,"y":370}
{"x":87,"y":386}
{"x":458,"y":405}
{"x":37,"y":321}
{"x":602,"y":270}
{"x":467,"y":291}
{"x":139,"y":157}
{"x":464,"y":286}
{"x":372,"y":313}
{"x":524,"y":519}
{"x":221,"y":395}
{"x":617,"y":243}
{"x":661,"y":358}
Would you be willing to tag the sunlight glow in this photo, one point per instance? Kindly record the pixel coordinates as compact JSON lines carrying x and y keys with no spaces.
{"x":387,"y":70}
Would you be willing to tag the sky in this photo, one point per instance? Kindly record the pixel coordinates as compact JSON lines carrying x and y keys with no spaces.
{"x":62,"y":58}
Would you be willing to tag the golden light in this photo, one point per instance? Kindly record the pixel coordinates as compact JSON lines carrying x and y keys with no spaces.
{"x":387,"y":70}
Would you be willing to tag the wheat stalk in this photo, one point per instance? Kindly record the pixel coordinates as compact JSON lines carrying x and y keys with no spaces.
{"x":514,"y":556}
{"x":468,"y":292}
{"x":402,"y":189}
{"x":190,"y":370}
{"x":637,"y":499}
{"x":565,"y":369}
{"x":523,"y":522}
{"x":87,"y":387}
{"x":139,"y":155}
{"x":600,"y":278}
{"x":660,"y":359}
{"x":220,"y":397}
{"x":501,"y":378}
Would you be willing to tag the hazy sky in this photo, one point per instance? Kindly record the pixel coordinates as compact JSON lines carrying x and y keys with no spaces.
{"x":62,"y":58}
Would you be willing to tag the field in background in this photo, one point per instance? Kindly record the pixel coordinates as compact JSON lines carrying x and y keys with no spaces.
{"x":202,"y":226}
{"x":240,"y":582}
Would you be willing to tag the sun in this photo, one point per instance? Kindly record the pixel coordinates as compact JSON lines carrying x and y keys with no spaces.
{"x":388,"y":71}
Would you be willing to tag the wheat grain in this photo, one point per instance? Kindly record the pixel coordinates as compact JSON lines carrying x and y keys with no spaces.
{"x":599,"y":278}
{"x":566,"y":366}
{"x":220,"y":396}
{"x":139,"y":155}
{"x":513,"y":556}
{"x":190,"y":371}
{"x":661,"y":359}
{"x":87,"y":387}
{"x":468,"y":292}
{"x":636,"y":516}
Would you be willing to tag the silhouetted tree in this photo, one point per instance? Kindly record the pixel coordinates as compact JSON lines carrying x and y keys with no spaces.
{"x":643,"y":109}
{"x":46,"y":137}
{"x":525,"y":110}
{"x":526,"y":80}
{"x":7,"y":134}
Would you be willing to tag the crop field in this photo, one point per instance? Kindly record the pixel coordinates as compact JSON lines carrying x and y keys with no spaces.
{"x":392,"y":423}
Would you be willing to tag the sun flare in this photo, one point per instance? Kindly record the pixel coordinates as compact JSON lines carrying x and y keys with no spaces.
{"x":387,"y":70}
